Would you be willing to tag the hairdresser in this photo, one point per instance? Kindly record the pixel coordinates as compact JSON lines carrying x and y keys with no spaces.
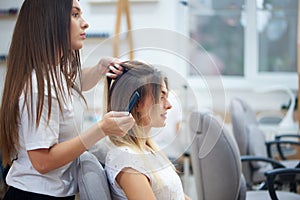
{"x":38,"y":134}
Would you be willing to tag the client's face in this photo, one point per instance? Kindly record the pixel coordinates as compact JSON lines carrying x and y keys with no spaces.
{"x":151,"y":114}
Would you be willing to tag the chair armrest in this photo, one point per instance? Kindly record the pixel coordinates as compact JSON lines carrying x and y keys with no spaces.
{"x":278,"y":144}
{"x":273,"y":162}
{"x":272,"y":174}
{"x":278,"y":137}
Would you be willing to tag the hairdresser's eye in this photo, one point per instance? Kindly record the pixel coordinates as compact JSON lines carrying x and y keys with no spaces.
{"x":76,"y":14}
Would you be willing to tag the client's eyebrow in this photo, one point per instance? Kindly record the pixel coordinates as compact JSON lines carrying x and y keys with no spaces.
{"x":77,"y":8}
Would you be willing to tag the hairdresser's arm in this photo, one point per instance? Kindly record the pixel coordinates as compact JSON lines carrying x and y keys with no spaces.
{"x":135,"y":185}
{"x":92,"y":75}
{"x":46,"y":160}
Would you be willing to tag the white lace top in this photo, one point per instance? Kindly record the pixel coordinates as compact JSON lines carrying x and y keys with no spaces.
{"x":165,"y":182}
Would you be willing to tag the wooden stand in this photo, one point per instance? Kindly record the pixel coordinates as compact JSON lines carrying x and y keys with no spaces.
{"x":123,"y":6}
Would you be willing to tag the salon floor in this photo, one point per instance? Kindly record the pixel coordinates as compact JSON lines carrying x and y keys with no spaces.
{"x":189,"y":186}
{"x":184,"y":167}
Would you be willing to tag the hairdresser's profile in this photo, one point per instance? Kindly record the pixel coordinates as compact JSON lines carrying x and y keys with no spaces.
{"x":38,"y":134}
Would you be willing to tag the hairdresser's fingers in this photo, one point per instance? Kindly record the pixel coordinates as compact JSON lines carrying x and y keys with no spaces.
{"x":110,"y":61}
{"x":117,"y":123}
{"x":110,"y":127}
{"x":113,"y":123}
{"x":125,"y":123}
{"x":116,"y":69}
{"x":115,"y":60}
{"x":117,"y":114}
{"x":105,"y":62}
{"x":111,"y":75}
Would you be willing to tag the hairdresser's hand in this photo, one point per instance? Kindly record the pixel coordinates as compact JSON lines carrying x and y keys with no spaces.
{"x":110,"y":67}
{"x":116,"y":123}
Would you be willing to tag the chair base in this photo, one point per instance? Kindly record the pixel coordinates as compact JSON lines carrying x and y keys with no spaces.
{"x":264,"y":195}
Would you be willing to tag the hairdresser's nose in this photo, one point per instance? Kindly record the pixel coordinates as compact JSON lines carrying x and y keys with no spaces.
{"x":84,"y":24}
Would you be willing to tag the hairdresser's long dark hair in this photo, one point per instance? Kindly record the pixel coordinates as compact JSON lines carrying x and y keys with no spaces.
{"x":41,"y":43}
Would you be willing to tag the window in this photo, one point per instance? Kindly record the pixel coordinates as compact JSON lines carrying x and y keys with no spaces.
{"x":217,"y":27}
{"x":277,"y":30}
{"x":246,"y":41}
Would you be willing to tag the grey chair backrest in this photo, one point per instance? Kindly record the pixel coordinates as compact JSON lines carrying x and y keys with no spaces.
{"x":250,"y":139}
{"x":215,"y":159}
{"x":241,"y":115}
{"x":101,"y":148}
{"x":92,"y":180}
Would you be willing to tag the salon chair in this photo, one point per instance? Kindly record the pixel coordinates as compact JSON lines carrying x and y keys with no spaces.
{"x":216,"y":163}
{"x":251,"y":142}
{"x":91,"y":178}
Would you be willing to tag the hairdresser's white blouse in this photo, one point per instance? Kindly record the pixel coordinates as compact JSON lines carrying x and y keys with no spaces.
{"x":164,"y":180}
{"x":22,"y":175}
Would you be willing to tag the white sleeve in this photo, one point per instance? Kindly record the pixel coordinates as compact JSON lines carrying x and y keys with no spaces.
{"x":45,"y":135}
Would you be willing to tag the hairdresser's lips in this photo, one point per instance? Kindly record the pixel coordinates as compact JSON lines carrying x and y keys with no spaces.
{"x":83,"y":35}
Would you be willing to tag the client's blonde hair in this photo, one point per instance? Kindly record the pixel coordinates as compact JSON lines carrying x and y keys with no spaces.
{"x":146,"y":80}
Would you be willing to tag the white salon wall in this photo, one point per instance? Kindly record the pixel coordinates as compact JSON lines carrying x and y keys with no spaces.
{"x":162,"y":14}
